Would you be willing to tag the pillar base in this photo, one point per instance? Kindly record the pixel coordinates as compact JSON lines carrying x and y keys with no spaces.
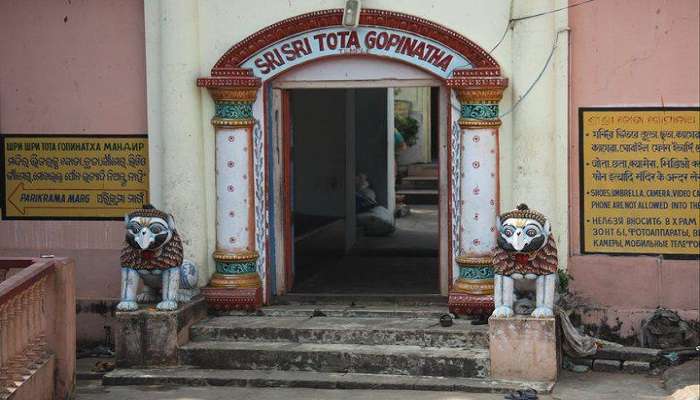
{"x":228,"y":299}
{"x":470,"y":304}
{"x":472,"y":292}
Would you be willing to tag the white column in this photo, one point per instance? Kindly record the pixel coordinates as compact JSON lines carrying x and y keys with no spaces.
{"x":234,"y":227}
{"x":479,"y":190}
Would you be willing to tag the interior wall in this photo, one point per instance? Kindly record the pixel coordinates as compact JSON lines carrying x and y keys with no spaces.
{"x":371,"y":139}
{"x":318,"y":126}
{"x":419,"y":98}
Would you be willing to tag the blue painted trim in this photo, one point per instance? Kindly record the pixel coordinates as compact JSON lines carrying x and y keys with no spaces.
{"x":476,"y":273}
{"x":234,"y":268}
{"x":479,"y":111}
{"x":229,"y":110}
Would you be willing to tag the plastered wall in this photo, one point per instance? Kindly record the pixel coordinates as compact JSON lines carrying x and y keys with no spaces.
{"x":652,"y":61}
{"x":74,"y":67}
{"x":86,"y":66}
{"x":215,"y":26}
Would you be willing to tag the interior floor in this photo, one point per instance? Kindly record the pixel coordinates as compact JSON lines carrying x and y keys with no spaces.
{"x":403,"y":262}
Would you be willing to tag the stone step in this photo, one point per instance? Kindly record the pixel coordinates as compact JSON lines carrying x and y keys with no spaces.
{"x":343,"y":311}
{"x":352,"y":358}
{"x":422,"y":332}
{"x":419,"y":196}
{"x":408,"y":300}
{"x":418,"y":182}
{"x":422,"y":170}
{"x":192,"y":376}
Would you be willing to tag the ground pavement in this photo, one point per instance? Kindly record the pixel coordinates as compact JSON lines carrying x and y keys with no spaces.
{"x":571,"y":386}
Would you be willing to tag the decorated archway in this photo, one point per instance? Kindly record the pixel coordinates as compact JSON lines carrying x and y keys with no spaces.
{"x":236,"y":84}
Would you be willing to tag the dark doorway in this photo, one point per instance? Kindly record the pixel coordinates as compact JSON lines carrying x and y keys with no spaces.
{"x":362,"y":221}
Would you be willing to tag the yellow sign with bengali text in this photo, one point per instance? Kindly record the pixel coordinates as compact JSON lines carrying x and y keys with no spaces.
{"x":73,"y":177}
{"x":640,"y":180}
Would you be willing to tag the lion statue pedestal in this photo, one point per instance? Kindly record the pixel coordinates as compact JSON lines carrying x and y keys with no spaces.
{"x":524,"y":347}
{"x":153,"y":252}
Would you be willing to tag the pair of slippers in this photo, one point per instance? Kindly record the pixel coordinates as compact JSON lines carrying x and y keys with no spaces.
{"x":527,"y":394}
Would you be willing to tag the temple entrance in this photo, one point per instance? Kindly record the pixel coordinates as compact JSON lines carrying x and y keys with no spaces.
{"x":364,"y":190}
{"x":251,"y":86}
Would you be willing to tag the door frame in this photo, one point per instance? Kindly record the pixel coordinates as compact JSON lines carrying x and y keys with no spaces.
{"x":282,"y":188}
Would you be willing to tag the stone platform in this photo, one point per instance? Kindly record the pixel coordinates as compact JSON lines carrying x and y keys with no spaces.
{"x":524,"y":348}
{"x":190,"y":376}
{"x":360,"y":344}
{"x":149,"y":337}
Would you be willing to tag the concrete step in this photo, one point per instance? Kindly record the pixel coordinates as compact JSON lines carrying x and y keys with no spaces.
{"x":418,"y":182}
{"x":192,"y":376}
{"x":424,"y":332}
{"x":352,"y":358}
{"x":422,"y":170}
{"x":343,"y":311}
{"x":408,"y":300}
{"x":420,"y":196}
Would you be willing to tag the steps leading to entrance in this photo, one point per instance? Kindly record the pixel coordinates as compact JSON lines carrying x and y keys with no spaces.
{"x":430,"y":169}
{"x":420,"y":185}
{"x":405,"y":301}
{"x":333,"y":330}
{"x":418,"y":182}
{"x":395,"y":340}
{"x":343,"y":311}
{"x":191,"y":376}
{"x":353,"y":358}
{"x":419,"y":196}
{"x":337,"y":341}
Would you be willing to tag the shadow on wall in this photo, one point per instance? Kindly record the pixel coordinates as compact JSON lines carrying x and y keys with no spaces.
{"x":96,"y":322}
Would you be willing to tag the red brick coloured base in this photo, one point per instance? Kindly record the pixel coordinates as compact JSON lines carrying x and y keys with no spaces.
{"x":226,"y":299}
{"x":470,"y":304}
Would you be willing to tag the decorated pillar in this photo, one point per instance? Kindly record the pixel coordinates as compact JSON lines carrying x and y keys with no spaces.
{"x":479,"y":91}
{"x":236,"y":283}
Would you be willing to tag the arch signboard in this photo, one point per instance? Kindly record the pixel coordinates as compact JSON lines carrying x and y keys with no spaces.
{"x":407,"y":47}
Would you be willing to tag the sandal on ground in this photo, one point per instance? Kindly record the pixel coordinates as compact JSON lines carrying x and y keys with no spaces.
{"x":526,"y":394}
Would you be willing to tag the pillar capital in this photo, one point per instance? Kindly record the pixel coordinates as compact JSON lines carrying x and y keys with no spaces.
{"x":233,"y":96}
{"x":479,"y":90}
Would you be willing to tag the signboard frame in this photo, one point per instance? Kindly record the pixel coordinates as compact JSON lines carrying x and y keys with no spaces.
{"x":3,"y":187}
{"x":581,"y":161}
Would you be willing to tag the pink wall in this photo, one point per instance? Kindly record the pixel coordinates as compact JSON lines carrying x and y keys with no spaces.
{"x":631,"y":53}
{"x":72,"y":67}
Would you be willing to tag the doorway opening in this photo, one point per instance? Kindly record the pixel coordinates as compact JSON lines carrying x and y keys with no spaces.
{"x":364,"y":188}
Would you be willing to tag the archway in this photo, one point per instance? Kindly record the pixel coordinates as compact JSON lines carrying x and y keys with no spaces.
{"x":246,"y":241}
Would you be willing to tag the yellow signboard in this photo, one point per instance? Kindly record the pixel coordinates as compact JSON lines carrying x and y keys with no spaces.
{"x":73,"y":177}
{"x":640,"y":180}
